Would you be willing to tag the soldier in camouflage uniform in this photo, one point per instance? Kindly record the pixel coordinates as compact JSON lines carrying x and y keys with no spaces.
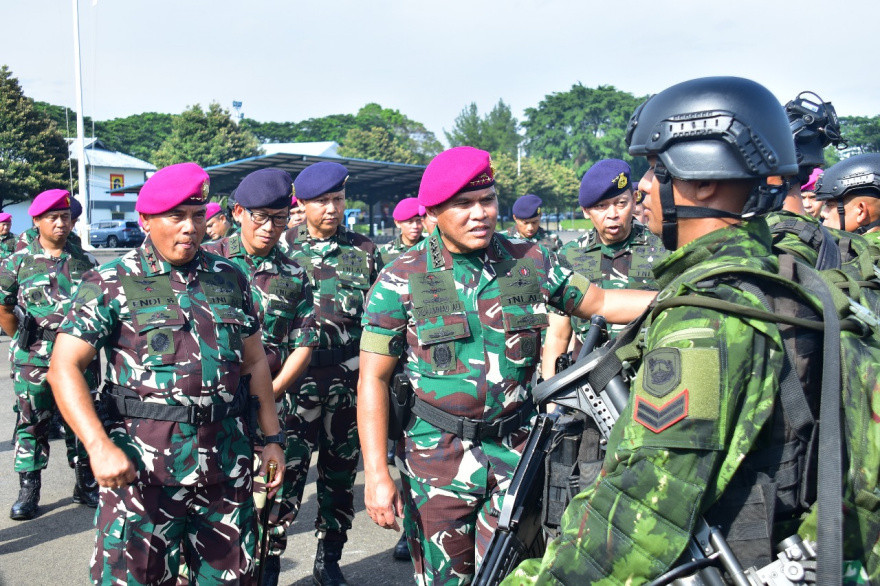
{"x":617,"y":253}
{"x":408,"y":219}
{"x":342,"y":265}
{"x":7,"y":238}
{"x":465,"y":308}
{"x":283,"y":303}
{"x":179,"y":334}
{"x":703,"y":426}
{"x":40,"y":279}
{"x":218,"y":224}
{"x":850,"y":192}
{"x":527,"y":223}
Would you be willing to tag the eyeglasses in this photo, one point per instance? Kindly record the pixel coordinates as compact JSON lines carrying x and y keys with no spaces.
{"x":260,"y":218}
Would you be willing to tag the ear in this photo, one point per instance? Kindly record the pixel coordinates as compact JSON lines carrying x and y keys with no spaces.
{"x":585,"y":213}
{"x":237,"y":211}
{"x":703,"y":190}
{"x":432,"y":212}
{"x":861,"y":212}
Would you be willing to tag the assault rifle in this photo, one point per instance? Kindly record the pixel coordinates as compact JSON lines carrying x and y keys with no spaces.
{"x":520,"y":532}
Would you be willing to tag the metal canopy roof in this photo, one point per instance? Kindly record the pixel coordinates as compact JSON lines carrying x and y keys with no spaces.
{"x":368,"y":180}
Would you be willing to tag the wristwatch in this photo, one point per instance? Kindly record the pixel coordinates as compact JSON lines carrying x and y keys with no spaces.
{"x":279,"y":438}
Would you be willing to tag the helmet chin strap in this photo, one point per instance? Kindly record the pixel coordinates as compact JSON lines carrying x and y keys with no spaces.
{"x":672,"y":212}
{"x":864,"y":229}
{"x":841,"y":213}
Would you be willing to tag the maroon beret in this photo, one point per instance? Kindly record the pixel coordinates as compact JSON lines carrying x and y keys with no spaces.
{"x":212,"y":209}
{"x":183,"y":183}
{"x":407,"y":208}
{"x":53,"y":199}
{"x":459,"y":169}
{"x":4,"y":217}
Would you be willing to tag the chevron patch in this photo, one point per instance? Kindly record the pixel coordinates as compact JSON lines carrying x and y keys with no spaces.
{"x":657,"y":418}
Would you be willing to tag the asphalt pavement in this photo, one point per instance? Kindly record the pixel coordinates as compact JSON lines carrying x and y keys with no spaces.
{"x":55,"y":548}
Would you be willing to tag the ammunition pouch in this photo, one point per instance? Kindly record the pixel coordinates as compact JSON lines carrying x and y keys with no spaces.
{"x":400,"y":403}
{"x":473,"y":429}
{"x":123,"y":403}
{"x":323,"y":357}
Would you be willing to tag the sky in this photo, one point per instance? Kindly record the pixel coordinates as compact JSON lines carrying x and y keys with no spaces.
{"x":292,"y":60}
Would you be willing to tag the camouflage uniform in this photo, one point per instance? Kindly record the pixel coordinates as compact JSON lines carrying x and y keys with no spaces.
{"x":482,"y":314}
{"x":624,"y":265}
{"x":284,"y":306}
{"x":705,"y":394}
{"x":391,"y":250}
{"x":324,"y":411}
{"x":550,"y":240}
{"x":172,"y":336}
{"x":7,"y":245}
{"x":43,"y":286}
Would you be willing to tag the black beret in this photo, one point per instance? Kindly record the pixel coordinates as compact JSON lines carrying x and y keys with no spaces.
{"x":265,"y":188}
{"x":76,"y":209}
{"x":607,"y":178}
{"x":320,"y":178}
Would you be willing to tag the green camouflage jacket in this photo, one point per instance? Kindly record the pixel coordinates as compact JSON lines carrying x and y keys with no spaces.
{"x":173,"y":335}
{"x":470,"y":328}
{"x":43,"y":286}
{"x":873,"y":237}
{"x":849,"y":244}
{"x":341,"y":270}
{"x":550,"y":240}
{"x":31,"y":234}
{"x":391,"y":250}
{"x":282,"y":298}
{"x":7,"y":245}
{"x":625,"y":265}
{"x":704,"y":388}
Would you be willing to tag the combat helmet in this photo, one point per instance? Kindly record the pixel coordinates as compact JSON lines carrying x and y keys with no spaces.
{"x":714,"y":128}
{"x":814,"y":125}
{"x":857,"y":175}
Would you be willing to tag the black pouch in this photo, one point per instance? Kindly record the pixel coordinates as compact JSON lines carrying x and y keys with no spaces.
{"x":27,"y":327}
{"x":400,"y":402}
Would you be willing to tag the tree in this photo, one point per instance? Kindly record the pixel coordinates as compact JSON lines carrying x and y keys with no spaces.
{"x":33,"y":154}
{"x":64,"y":118}
{"x":376,"y":144}
{"x":556,"y":184}
{"x":408,"y":134}
{"x":497,"y":132}
{"x":582,"y":126}
{"x":139,"y":135}
{"x":207,"y":138}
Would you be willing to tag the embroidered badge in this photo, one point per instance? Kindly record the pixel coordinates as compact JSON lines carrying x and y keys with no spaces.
{"x":660,"y":417}
{"x":662,"y":373}
{"x":441,"y":356}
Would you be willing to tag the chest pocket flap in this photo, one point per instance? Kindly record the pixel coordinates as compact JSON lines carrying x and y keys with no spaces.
{"x":437,"y":341}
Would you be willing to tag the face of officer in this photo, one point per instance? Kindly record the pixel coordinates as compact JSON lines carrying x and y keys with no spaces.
{"x":528,"y":228}
{"x":5,"y":227}
{"x":54,"y":227}
{"x":324,"y":213}
{"x":176,"y":234}
{"x":811,"y":206}
{"x":261,"y":227}
{"x":218,"y":226}
{"x":467,"y":221}
{"x":297,"y":216}
{"x":858,"y":210}
{"x":410,"y":230}
{"x":612,"y":217}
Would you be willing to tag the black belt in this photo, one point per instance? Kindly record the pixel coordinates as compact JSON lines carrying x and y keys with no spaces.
{"x":123,"y":402}
{"x":473,"y":429}
{"x":336,"y":355}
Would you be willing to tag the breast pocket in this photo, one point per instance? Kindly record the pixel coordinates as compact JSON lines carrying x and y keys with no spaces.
{"x":437,"y":342}
{"x":277,"y":324}
{"x":522,"y":333}
{"x":229,"y":323}
{"x":159,"y":336}
{"x":351,"y":295}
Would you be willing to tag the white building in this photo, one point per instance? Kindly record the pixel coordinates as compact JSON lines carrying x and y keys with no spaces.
{"x":105,"y":169}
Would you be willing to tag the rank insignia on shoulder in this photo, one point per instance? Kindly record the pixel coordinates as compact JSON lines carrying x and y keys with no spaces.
{"x":660,"y":417}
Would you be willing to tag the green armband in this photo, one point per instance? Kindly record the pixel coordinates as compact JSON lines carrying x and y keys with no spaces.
{"x":382,"y":343}
{"x":575,"y":290}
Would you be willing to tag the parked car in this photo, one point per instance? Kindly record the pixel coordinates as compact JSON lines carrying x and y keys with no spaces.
{"x":113,"y":233}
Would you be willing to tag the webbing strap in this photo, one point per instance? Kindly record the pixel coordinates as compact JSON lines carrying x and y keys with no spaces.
{"x":610,"y":365}
{"x":736,"y":309}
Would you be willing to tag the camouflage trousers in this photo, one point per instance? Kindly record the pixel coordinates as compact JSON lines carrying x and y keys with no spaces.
{"x":323,"y":416}
{"x":35,"y":406}
{"x":143,"y":529}
{"x":448,"y":531}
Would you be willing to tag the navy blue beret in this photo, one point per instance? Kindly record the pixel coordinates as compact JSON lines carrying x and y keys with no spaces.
{"x":265,"y":188}
{"x":607,"y":178}
{"x":76,"y":209}
{"x":527,"y":206}
{"x":320,"y":178}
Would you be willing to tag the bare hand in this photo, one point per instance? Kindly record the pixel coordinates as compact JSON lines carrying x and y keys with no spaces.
{"x":383,"y":501}
{"x":111,"y":467}
{"x":273,"y":452}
